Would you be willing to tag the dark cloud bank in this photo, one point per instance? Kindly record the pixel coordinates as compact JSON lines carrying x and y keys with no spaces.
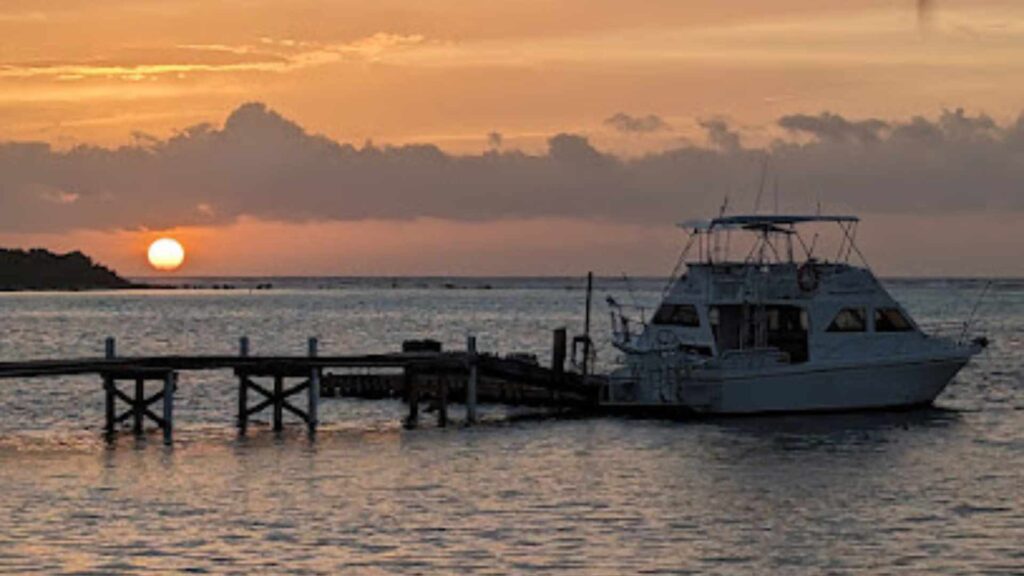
{"x":262,"y":165}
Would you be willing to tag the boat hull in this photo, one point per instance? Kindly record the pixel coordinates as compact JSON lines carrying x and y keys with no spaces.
{"x":855,"y":387}
{"x":876,"y":386}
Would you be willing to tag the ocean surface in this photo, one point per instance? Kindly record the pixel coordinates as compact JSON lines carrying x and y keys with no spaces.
{"x":937,"y":491}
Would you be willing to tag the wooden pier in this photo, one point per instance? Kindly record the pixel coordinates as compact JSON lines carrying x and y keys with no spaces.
{"x":419,"y":374}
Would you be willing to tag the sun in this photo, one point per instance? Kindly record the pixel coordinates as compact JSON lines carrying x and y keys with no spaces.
{"x":166,"y":254}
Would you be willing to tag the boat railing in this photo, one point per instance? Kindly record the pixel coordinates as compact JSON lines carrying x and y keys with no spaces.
{"x":950,"y":329}
{"x":623,"y":325}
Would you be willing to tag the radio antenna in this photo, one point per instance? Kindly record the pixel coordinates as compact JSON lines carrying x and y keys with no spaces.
{"x":760,"y":186}
{"x":776,"y":195}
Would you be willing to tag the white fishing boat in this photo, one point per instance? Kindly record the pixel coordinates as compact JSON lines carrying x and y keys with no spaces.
{"x":779,"y":330}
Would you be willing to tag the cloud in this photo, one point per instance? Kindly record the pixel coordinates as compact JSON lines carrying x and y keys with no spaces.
{"x":59,"y":196}
{"x":636,"y":124}
{"x":261,"y":165}
{"x":833,"y":127}
{"x":720,"y":135}
{"x":269,"y":56}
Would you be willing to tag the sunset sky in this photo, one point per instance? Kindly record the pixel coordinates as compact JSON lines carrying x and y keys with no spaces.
{"x":523,"y":137}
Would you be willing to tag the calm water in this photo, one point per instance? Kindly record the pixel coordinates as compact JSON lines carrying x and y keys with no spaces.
{"x":936,"y":491}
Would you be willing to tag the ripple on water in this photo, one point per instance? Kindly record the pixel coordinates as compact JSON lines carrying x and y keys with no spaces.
{"x":935,"y":491}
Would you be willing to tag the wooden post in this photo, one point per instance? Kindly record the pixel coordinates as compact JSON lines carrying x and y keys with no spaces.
{"x":558,"y":348}
{"x":278,"y":403}
{"x":170,"y":380}
{"x":472,"y":382}
{"x":412,"y":392}
{"x":139,"y":406}
{"x":442,"y":401}
{"x":110,"y":349}
{"x":243,"y":388}
{"x":313,"y":393}
{"x":108,"y":391}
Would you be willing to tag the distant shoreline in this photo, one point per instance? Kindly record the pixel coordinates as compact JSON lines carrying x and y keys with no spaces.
{"x":41,"y":270}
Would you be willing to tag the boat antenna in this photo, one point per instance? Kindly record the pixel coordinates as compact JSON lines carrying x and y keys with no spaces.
{"x":587,"y":344}
{"x":680,"y":262}
{"x":760,"y":187}
{"x":974,"y":310}
{"x":724,"y":207}
{"x":776,"y":194}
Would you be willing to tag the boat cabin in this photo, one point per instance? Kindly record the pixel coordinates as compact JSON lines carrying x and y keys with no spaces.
{"x":780,"y":300}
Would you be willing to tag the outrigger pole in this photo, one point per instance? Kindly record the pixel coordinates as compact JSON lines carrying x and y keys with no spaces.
{"x":586,"y":325}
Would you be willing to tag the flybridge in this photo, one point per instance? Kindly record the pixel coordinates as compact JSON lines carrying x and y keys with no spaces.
{"x":773,"y":240}
{"x":758,"y":220}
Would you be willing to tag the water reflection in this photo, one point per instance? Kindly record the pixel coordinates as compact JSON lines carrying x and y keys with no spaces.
{"x":932,"y":491}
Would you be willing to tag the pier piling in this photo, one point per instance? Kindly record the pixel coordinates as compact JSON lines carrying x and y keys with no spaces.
{"x":471,"y":384}
{"x":278,"y":403}
{"x":110,"y":352}
{"x":313,"y":392}
{"x":267,"y":383}
{"x":412,"y":391}
{"x":276,"y":395}
{"x":170,"y":383}
{"x":139,"y":405}
{"x":558,"y":350}
{"x":243,"y":388}
{"x":442,"y":401}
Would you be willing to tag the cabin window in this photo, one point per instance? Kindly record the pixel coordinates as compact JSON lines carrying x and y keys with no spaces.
{"x":677,"y":315}
{"x":849,"y":320}
{"x":891,"y":320}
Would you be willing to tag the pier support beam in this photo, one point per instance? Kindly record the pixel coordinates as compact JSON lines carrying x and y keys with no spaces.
{"x":138,"y":403}
{"x":170,"y":384}
{"x":110,"y":352}
{"x":412,"y":394}
{"x":278,"y":400}
{"x":137,"y":412}
{"x":276,"y":395}
{"x":442,"y":401}
{"x":313,"y":392}
{"x":471,"y":384}
{"x":558,"y":350}
{"x":243,"y":389}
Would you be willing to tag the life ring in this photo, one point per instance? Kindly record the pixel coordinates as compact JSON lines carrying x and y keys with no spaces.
{"x":807,"y":277}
